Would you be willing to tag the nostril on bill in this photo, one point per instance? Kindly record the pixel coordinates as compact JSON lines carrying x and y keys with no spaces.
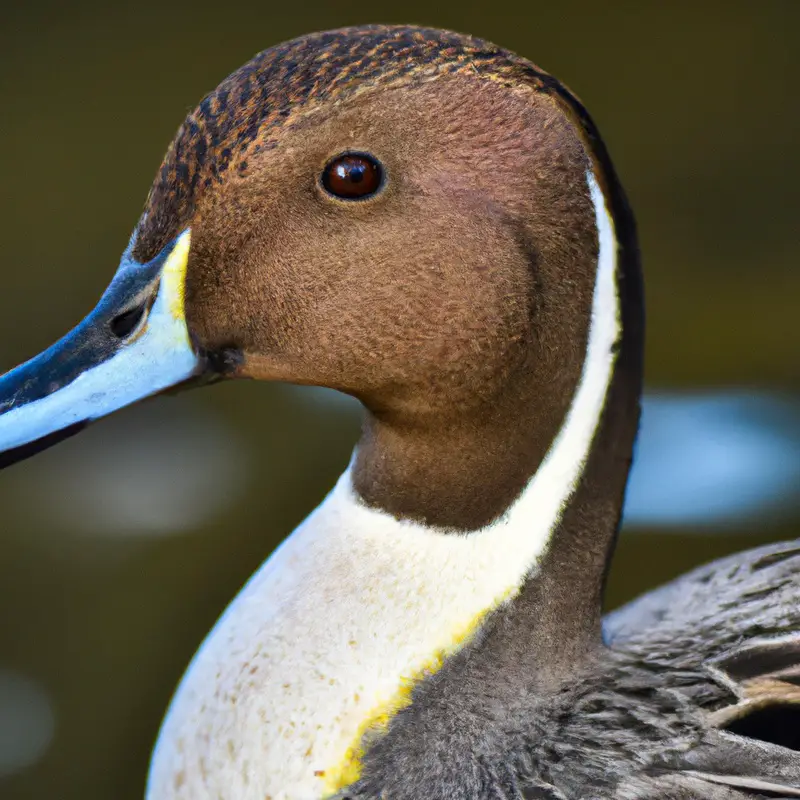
{"x":126,"y":323}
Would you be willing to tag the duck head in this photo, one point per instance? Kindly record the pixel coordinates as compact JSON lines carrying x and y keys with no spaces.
{"x":406,"y":215}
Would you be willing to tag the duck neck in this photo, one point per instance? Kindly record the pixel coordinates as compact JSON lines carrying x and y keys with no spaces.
{"x":451,"y":473}
{"x":556,"y":473}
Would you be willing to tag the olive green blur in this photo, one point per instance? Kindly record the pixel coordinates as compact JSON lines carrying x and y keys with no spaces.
{"x":697,"y":102}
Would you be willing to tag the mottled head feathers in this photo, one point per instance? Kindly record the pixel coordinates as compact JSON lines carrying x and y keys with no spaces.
{"x":278,"y":85}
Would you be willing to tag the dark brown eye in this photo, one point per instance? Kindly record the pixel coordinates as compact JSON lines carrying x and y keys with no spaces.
{"x":352,"y":176}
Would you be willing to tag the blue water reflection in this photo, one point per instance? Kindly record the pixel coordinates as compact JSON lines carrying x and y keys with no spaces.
{"x":715,"y":458}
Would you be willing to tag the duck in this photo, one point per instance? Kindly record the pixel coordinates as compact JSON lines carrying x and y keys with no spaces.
{"x":433,"y":225}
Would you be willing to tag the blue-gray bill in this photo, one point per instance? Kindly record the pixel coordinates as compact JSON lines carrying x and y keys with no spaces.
{"x":134,"y":344}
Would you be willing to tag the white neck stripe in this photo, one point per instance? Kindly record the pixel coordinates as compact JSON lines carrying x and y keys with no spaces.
{"x":544,"y":499}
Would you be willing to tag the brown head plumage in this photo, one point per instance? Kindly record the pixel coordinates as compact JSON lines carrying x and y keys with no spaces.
{"x":456,"y":296}
{"x":242,"y":115}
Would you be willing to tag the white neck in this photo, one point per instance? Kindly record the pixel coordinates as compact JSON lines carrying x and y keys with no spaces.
{"x":328,"y":636}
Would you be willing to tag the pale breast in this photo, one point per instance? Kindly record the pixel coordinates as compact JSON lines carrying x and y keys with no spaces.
{"x":324,"y":642}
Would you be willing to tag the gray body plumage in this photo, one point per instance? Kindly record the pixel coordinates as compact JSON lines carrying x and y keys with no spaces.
{"x":644,"y":717}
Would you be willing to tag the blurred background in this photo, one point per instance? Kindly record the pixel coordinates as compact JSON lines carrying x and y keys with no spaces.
{"x":121,"y":547}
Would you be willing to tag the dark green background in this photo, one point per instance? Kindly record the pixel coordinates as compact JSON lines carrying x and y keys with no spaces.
{"x":698,"y":105}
